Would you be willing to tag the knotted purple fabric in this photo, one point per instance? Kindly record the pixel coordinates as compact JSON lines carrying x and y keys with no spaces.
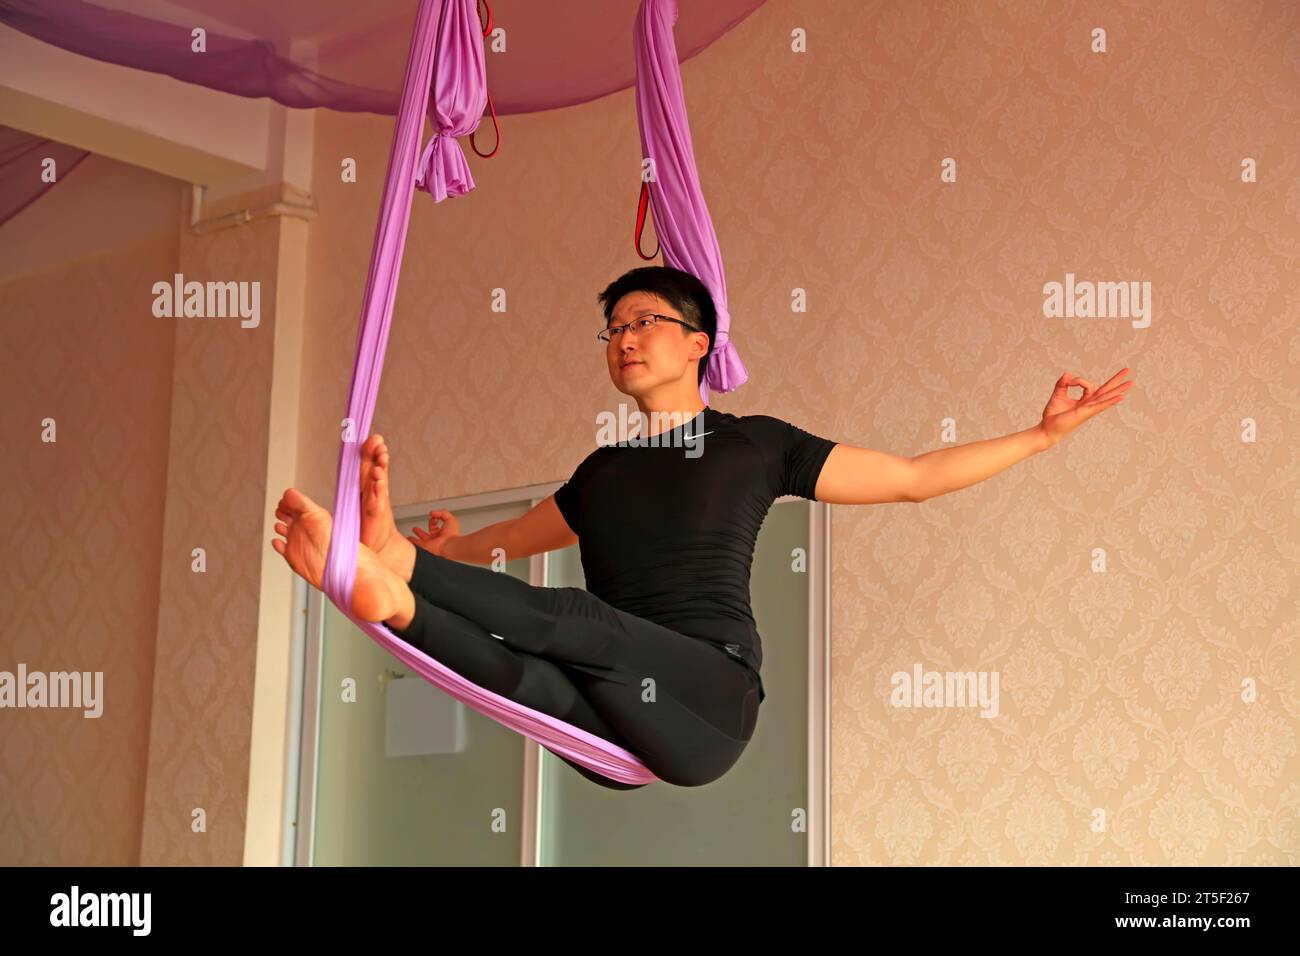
{"x":681,"y":216}
{"x":459,"y":100}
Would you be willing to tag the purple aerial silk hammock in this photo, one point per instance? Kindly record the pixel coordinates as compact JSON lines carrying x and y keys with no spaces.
{"x":448,"y":37}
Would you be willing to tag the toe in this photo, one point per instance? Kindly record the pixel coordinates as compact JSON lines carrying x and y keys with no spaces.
{"x":298,"y":502}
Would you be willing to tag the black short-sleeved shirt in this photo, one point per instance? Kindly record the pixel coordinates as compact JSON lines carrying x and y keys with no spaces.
{"x":666,"y":531}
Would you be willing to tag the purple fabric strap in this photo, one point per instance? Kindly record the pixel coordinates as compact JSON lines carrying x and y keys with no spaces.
{"x":682,"y":220}
{"x":447,"y":35}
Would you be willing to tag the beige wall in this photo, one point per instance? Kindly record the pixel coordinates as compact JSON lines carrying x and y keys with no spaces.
{"x":1121,"y":691}
{"x":201,"y":728}
{"x":83,"y":516}
{"x":103,"y":206}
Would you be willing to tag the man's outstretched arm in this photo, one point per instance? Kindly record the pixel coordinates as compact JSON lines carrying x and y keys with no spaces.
{"x":861,"y":476}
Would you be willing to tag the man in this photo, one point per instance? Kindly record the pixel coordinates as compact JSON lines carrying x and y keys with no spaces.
{"x":660,"y":654}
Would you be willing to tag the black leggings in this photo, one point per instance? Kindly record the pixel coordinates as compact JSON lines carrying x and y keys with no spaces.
{"x":568,"y":654}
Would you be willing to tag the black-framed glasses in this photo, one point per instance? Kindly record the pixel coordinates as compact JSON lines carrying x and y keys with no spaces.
{"x":639,"y":326}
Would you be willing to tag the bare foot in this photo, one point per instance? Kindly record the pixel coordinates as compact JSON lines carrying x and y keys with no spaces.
{"x":378,"y":528}
{"x":377,"y":593}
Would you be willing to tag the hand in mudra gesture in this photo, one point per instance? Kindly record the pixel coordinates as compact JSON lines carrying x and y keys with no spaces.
{"x":443,"y":526}
{"x":1064,"y":414}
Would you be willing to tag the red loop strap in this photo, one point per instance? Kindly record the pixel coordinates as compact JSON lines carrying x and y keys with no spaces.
{"x":640,"y":222}
{"x":491,"y":107}
{"x":473,"y":144}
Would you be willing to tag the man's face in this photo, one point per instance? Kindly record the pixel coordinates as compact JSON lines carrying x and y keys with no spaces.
{"x":642,"y":359}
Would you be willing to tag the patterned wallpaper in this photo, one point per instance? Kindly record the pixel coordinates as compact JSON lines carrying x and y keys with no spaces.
{"x":197,"y":793}
{"x":83,"y":517}
{"x":1125,"y":735}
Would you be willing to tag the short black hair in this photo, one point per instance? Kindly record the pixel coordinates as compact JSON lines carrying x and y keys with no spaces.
{"x":683,"y":291}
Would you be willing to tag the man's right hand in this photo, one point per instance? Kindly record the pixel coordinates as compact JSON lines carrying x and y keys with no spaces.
{"x":443,"y":526}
